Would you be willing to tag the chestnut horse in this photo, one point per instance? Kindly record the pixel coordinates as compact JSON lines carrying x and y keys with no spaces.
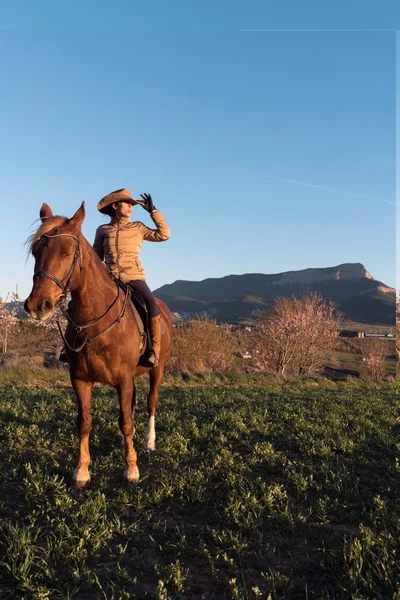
{"x":102,"y":338}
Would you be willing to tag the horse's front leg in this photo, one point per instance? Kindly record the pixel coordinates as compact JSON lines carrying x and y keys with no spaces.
{"x":126,"y":395}
{"x":83,"y":391}
{"x":156,"y":377}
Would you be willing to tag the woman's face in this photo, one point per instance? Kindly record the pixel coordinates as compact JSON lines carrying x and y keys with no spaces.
{"x":122,"y":209}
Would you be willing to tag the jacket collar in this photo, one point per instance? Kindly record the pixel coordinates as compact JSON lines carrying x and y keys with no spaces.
{"x":122,"y":221}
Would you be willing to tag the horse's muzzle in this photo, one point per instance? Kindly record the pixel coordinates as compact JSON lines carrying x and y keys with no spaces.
{"x":40,"y":311}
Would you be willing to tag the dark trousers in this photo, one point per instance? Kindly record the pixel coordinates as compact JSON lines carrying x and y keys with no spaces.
{"x":143,"y":288}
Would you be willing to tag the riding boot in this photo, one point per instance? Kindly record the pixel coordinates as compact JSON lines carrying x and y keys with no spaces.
{"x":155,"y":335}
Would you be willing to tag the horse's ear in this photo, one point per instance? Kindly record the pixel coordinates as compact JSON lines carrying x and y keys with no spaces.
{"x":45,"y":212}
{"x":78,"y":217}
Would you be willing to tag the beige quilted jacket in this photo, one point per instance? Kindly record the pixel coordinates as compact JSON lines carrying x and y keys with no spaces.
{"x":118,"y":243}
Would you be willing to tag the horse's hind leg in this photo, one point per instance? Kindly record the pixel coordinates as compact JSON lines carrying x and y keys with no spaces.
{"x":83,"y":391}
{"x":126,"y":394}
{"x":133,"y":405}
{"x":156,"y":377}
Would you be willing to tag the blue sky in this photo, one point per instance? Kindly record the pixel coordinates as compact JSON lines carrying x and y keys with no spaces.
{"x":130,"y":15}
{"x":266,"y":151}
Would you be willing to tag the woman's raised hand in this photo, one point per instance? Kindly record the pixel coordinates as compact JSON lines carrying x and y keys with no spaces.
{"x":147,"y":202}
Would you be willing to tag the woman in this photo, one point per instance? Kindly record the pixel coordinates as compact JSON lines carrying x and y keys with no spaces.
{"x":118,"y":243}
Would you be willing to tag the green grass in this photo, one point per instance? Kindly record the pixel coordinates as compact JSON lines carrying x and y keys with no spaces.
{"x":286,"y":491}
{"x":37,"y":376}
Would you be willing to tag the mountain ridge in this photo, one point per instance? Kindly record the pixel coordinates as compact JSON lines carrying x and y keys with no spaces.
{"x":357,"y":295}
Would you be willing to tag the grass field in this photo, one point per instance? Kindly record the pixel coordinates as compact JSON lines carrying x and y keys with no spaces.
{"x":283,"y":491}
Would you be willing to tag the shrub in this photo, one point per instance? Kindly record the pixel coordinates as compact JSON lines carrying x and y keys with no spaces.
{"x":200,"y":345}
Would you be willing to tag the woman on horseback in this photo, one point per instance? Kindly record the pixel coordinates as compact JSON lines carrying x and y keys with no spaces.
{"x":118,"y":243}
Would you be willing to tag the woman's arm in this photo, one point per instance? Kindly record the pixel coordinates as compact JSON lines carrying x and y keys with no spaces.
{"x":98,"y":243}
{"x":161,"y":234}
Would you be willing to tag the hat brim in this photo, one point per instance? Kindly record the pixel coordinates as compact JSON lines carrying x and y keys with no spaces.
{"x":108,"y":209}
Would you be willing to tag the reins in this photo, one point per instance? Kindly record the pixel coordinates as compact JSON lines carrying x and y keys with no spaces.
{"x":65,"y":287}
{"x":78,"y":328}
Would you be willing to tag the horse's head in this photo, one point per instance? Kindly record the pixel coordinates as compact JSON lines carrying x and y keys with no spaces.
{"x":56,"y":249}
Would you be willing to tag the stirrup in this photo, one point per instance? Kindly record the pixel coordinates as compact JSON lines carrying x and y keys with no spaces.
{"x":150,"y":360}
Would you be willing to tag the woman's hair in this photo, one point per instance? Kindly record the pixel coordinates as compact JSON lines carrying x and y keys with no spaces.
{"x":110,"y":211}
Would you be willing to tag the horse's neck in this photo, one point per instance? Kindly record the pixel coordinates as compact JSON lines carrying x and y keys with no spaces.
{"x":96,"y":290}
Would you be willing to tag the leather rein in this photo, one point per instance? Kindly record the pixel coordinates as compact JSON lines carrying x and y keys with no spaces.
{"x":65,"y":287}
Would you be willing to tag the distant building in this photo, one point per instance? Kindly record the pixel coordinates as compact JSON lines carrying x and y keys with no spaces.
{"x":351,"y":333}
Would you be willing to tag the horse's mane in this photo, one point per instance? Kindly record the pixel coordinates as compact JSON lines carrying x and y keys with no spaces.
{"x":48,"y":225}
{"x":51,"y":223}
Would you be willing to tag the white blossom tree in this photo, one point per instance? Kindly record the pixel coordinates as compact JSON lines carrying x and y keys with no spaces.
{"x":398,"y":325}
{"x":296,"y":336}
{"x":8,"y":322}
{"x":374,"y":353}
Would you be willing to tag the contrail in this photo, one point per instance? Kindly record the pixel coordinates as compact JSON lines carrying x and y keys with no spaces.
{"x":320,"y":187}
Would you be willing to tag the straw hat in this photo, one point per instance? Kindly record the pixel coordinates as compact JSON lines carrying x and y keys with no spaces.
{"x":122,"y":195}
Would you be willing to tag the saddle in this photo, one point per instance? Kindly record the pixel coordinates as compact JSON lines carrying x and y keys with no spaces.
{"x":140,"y":312}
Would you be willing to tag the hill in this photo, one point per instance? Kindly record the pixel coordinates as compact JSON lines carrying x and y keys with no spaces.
{"x":356,"y":294}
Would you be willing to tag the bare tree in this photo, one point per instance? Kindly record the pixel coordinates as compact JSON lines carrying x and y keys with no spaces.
{"x":296,"y":335}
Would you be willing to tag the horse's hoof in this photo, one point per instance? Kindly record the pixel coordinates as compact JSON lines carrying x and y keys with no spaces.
{"x":149,"y":445}
{"x":81,"y":479}
{"x":131,"y":475}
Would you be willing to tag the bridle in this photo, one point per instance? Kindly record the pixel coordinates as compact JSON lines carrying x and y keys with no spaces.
{"x":65,"y":287}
